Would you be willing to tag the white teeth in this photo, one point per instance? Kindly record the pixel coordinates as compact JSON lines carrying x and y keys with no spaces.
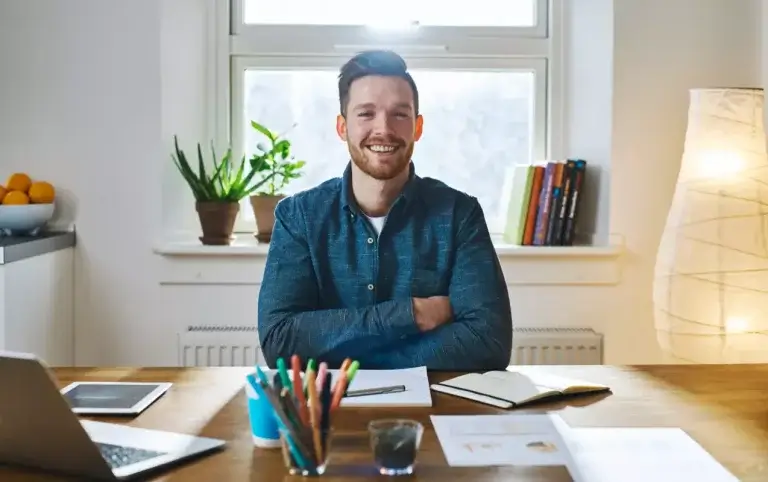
{"x":378,"y":148}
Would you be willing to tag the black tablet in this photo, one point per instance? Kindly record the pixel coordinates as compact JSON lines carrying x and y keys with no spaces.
{"x":112,"y":398}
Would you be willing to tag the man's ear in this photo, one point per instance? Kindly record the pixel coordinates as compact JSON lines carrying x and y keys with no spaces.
{"x":341,"y":127}
{"x":419,"y":127}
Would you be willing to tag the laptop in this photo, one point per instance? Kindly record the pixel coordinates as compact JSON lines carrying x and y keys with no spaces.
{"x":39,"y":430}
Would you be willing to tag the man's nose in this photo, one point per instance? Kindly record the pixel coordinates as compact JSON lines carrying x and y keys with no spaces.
{"x":382,"y":124}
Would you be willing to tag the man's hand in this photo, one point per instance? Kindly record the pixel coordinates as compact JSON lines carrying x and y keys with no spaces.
{"x":431,"y":312}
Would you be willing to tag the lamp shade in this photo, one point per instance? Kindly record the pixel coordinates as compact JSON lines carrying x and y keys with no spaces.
{"x":710,"y":289}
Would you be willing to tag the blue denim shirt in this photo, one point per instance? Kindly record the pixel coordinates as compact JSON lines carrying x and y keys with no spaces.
{"x":333,"y":289}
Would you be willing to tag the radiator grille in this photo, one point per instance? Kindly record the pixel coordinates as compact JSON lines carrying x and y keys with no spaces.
{"x":219,"y":346}
{"x":557,"y":346}
{"x":229,"y":345}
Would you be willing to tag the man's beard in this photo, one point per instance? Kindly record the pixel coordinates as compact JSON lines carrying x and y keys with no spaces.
{"x":365,"y":161}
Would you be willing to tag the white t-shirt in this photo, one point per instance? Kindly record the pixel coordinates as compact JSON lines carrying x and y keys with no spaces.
{"x":377,"y":223}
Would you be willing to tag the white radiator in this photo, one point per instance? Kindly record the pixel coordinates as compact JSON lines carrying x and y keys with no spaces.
{"x":239,"y":346}
{"x":219,"y":346}
{"x":557,"y":346}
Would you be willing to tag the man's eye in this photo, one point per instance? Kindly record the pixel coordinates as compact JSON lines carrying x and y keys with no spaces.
{"x":365,"y":114}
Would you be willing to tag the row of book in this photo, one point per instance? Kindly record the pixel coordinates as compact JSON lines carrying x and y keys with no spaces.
{"x":544,"y":202}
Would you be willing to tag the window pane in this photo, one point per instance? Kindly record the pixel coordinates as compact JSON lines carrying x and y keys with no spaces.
{"x":476,"y":125}
{"x":482,"y":13}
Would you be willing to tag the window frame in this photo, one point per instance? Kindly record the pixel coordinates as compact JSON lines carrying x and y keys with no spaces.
{"x":236,"y":47}
{"x":342,"y":33}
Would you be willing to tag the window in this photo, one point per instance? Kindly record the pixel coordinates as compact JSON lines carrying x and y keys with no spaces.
{"x":484,"y":13}
{"x":484,"y":79}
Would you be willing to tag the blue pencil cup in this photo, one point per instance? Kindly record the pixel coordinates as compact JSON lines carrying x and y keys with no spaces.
{"x":262,"y":417}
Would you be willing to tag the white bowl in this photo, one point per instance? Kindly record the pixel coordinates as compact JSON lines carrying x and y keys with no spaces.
{"x":24,"y":218}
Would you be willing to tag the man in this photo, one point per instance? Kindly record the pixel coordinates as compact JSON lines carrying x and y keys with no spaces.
{"x":383,"y":266}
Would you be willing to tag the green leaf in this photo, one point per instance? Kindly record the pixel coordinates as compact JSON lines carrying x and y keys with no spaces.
{"x":263,"y":130}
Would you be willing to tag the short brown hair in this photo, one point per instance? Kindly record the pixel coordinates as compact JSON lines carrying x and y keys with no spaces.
{"x":373,"y":62}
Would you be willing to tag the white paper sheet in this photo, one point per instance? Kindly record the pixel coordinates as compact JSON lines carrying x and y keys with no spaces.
{"x":515,"y":439}
{"x":416,"y":394}
{"x":416,"y":381}
{"x":591,"y":454}
{"x":642,"y":454}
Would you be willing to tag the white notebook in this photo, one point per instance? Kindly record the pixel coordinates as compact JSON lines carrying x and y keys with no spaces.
{"x":512,"y":388}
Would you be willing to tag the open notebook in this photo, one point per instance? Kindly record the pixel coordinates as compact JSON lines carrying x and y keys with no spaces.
{"x":515,"y":387}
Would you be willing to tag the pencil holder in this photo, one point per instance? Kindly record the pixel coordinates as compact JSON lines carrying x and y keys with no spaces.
{"x":305,"y":454}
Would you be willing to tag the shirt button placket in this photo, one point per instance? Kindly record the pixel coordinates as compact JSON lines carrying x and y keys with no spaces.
{"x":370,"y":241}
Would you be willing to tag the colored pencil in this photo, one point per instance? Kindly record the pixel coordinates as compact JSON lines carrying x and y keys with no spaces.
{"x":321,"y":372}
{"x":298,"y":389}
{"x":325,"y":414}
{"x":338,"y":390}
{"x":281,"y":369}
{"x":314,"y":415}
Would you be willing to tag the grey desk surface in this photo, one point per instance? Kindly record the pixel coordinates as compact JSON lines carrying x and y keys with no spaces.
{"x":17,"y":248}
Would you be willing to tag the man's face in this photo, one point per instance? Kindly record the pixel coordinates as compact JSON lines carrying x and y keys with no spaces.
{"x":381,"y":125}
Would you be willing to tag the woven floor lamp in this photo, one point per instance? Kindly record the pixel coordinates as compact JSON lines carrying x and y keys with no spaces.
{"x":710,"y":288}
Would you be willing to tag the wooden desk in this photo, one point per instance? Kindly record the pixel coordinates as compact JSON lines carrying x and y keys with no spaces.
{"x":724,"y":408}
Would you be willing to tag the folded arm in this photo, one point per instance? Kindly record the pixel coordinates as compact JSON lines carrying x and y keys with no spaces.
{"x":480,"y":335}
{"x":289,"y":319}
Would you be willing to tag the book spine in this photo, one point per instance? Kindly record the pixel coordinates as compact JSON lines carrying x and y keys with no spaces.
{"x":562,"y":208}
{"x":557,"y":199}
{"x":533,"y":205}
{"x":524,"y":202}
{"x":578,"y":175}
{"x":545,"y":200}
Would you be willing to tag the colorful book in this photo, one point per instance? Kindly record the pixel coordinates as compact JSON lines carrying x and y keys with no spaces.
{"x":522,"y":177}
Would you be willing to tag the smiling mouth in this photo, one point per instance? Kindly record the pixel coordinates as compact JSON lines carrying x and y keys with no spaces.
{"x":382,"y":148}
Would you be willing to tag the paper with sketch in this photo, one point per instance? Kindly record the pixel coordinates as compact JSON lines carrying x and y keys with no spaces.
{"x":416,"y":394}
{"x":488,"y":440}
{"x":642,"y":454}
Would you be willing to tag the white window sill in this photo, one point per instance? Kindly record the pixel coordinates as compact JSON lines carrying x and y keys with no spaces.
{"x":187,"y":262}
{"x":247,"y":245}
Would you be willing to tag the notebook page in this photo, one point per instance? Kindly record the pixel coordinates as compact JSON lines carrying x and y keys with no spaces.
{"x":548,"y":381}
{"x":515,"y":387}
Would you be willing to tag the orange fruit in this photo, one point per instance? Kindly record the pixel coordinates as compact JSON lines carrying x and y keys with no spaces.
{"x":16,"y":197}
{"x":19,"y":182}
{"x":41,"y":192}
{"x":3,"y":192}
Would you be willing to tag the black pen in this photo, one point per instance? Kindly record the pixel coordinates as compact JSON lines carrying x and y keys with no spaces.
{"x":374,"y":391}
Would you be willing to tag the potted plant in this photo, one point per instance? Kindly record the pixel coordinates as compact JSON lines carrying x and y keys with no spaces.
{"x":218,"y":194}
{"x":275,"y":164}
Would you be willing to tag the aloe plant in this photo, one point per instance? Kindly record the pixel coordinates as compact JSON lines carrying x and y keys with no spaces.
{"x":275,"y":163}
{"x":226,"y":182}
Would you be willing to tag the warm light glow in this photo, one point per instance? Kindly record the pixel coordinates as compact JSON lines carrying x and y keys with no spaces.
{"x":710,"y":284}
{"x":736,"y":325}
{"x":718,"y":163}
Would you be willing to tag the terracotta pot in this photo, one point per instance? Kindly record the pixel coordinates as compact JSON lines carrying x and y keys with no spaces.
{"x":217,"y":220}
{"x":264,"y":212}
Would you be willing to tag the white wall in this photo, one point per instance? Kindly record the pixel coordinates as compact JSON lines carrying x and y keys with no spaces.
{"x":80,"y":105}
{"x":92,"y":105}
{"x":662,"y":49}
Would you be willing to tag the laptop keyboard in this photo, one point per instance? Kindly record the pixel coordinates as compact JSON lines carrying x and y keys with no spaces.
{"x":119,"y":456}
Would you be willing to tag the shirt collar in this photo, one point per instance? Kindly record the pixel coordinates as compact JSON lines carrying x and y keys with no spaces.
{"x":348,"y":198}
